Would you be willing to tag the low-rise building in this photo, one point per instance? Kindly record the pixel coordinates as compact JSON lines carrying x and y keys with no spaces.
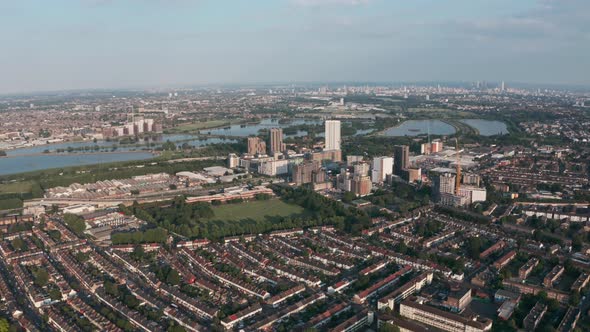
{"x":442,"y":320}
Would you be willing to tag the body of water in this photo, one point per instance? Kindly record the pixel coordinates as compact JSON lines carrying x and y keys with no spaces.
{"x":420,"y":127}
{"x":20,"y":164}
{"x":32,"y":158}
{"x":140,"y":145}
{"x":487,"y":127}
{"x":245,"y":130}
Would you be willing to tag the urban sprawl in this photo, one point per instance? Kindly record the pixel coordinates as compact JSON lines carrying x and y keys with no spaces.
{"x":306,"y":208}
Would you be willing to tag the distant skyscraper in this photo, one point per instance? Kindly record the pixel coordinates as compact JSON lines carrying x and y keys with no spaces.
{"x":401,"y":154}
{"x":276,"y":141}
{"x":332,"y":135}
{"x":503,"y":86}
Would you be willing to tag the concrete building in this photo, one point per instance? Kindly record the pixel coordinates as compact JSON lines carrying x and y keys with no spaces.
{"x":256,"y":146}
{"x":351,"y":160}
{"x":233,"y":160}
{"x":552,"y":276}
{"x":332,"y":155}
{"x":332,"y":135}
{"x":361,"y":185}
{"x":442,"y":320}
{"x":527,"y":268}
{"x":412,"y":174}
{"x":382,"y":166}
{"x":308,"y":172}
{"x":276,"y":141}
{"x":458,"y":299}
{"x":401,"y":155}
{"x":453,"y":200}
{"x":361,"y":169}
{"x":471,"y":179}
{"x":444,"y":183}
{"x":431,"y":147}
{"x":532,"y":320}
{"x":274,"y":167}
{"x":473,"y":194}
{"x":403,"y":292}
{"x":343,"y":180}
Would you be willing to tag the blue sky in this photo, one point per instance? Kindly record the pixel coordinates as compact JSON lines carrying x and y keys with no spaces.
{"x":78,"y":44}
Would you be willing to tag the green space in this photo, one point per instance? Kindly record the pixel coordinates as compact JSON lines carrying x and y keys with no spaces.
{"x":191,"y":127}
{"x":255,"y":210}
{"x":12,"y":194}
{"x":297,"y":207}
{"x":462,"y":128}
{"x":16,"y":187}
{"x":437,"y":113}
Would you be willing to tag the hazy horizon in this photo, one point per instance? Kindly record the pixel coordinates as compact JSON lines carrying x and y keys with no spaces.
{"x":127,"y":44}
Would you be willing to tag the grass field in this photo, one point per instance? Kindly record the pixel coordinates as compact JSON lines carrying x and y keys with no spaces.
{"x":16,"y":187}
{"x":192,"y":127}
{"x":437,"y":113}
{"x":256,"y":210}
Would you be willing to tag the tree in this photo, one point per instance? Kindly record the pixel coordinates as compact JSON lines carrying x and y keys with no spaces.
{"x":54,"y":293}
{"x":348,"y":197}
{"x":76,"y":223}
{"x":41,"y":277}
{"x":176,"y":328}
{"x":173,"y":278}
{"x":138,"y":253}
{"x":168,"y":146}
{"x":474,"y":247}
{"x":4,"y":326}
{"x":575,"y":299}
{"x":111,"y":288}
{"x":19,"y":244}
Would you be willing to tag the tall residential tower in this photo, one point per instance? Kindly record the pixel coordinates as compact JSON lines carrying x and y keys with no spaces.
{"x":401,"y":155}
{"x":276,"y":141}
{"x":332,"y":135}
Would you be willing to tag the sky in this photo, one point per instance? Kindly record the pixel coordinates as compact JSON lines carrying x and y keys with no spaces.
{"x":83,"y":44}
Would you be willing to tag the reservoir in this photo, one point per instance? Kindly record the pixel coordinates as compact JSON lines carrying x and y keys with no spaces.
{"x":32,"y":158}
{"x":420,"y":127}
{"x":107,"y":145}
{"x":487,"y":127}
{"x":245,"y":130}
{"x":20,"y":164}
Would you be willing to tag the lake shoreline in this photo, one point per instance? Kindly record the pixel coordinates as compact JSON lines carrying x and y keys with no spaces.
{"x":76,"y":154}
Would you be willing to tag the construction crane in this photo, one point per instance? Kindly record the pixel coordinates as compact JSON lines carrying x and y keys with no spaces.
{"x":458,"y":179}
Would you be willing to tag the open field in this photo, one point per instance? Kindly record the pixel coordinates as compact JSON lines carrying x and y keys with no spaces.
{"x":12,"y":194}
{"x":438,"y":113}
{"x":16,"y":187}
{"x":462,"y":128}
{"x":193,"y":127}
{"x":256,"y":210}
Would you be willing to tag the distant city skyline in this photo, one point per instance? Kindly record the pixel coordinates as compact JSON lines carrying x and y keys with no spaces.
{"x":110,"y":44}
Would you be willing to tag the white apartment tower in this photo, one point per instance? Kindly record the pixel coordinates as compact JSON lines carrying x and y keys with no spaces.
{"x":332,"y":135}
{"x":382,"y":166}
